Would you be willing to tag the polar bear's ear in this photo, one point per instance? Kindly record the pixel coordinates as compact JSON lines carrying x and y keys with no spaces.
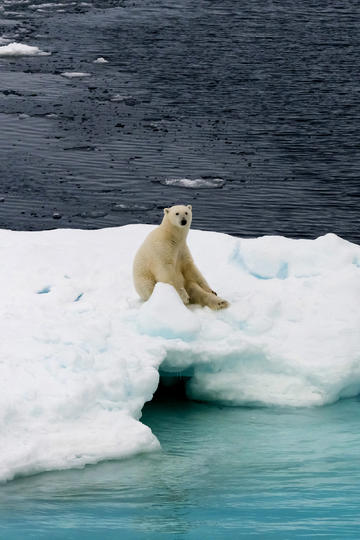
{"x":189,"y":206}
{"x":166,"y":210}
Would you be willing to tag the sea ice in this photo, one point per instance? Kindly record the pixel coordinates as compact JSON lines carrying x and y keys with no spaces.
{"x":19,"y":49}
{"x":75,"y":74}
{"x":80,"y":353}
{"x":194,"y":183}
{"x":53,"y":5}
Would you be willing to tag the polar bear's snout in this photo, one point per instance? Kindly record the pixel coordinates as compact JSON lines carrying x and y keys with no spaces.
{"x":183,"y":222}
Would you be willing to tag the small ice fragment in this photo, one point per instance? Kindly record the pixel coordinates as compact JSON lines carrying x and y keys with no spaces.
{"x":75,"y":74}
{"x":100,"y":60}
{"x":93,"y":213}
{"x":19,"y":49}
{"x":196,"y":183}
{"x":119,"y":207}
{"x":119,"y":97}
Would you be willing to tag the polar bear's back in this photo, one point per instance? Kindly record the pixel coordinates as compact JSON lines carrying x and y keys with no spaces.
{"x":144,"y":255}
{"x":147,"y":260}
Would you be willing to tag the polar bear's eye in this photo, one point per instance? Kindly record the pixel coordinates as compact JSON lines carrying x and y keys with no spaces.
{"x":177,"y":213}
{"x":185,"y":213}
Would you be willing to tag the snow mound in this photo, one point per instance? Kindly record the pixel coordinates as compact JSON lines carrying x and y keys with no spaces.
{"x":165,"y":315}
{"x":80,"y":353}
{"x":19,"y":49}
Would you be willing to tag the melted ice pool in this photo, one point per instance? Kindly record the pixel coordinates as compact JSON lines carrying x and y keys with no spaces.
{"x":222,"y":473}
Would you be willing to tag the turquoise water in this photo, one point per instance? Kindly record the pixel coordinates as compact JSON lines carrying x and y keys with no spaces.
{"x":222,"y":473}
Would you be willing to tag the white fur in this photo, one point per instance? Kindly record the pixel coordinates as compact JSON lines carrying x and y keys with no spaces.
{"x":165,"y":257}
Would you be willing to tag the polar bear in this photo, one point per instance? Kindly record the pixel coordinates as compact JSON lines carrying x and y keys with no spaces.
{"x":164,"y":256}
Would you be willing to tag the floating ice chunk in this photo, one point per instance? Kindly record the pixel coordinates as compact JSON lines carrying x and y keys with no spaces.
{"x":165,"y":315}
{"x":118,"y":97}
{"x":121,"y":207}
{"x":19,"y":49}
{"x":41,"y":7}
{"x":75,"y":74}
{"x":122,"y":98}
{"x":80,"y":354}
{"x":195,"y":183}
{"x":100,"y":60}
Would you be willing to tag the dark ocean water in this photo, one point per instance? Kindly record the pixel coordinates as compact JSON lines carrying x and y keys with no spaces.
{"x":262,"y":94}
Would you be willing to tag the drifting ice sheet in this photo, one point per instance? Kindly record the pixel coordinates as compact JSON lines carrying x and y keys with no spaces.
{"x":80,"y":353}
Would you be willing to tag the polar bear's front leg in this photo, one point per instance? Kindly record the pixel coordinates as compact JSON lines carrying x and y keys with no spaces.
{"x":196,"y":276}
{"x":193,"y":275}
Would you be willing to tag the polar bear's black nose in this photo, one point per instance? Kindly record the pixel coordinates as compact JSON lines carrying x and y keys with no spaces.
{"x":183,"y":222}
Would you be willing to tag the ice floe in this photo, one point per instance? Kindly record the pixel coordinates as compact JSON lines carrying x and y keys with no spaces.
{"x":19,"y":49}
{"x":75,"y":74}
{"x":194,"y":183}
{"x":100,"y":60}
{"x":80,"y":354}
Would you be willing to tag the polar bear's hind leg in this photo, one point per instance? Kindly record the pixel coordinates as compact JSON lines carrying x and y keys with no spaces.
{"x":145,"y":288}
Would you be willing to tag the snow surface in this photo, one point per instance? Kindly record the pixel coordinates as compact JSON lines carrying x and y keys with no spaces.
{"x":80,"y":353}
{"x":19,"y":49}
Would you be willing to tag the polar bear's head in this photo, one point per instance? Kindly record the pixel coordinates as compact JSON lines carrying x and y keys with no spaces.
{"x":179,"y":216}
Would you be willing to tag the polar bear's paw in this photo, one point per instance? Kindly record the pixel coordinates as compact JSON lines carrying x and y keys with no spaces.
{"x":216,"y":303}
